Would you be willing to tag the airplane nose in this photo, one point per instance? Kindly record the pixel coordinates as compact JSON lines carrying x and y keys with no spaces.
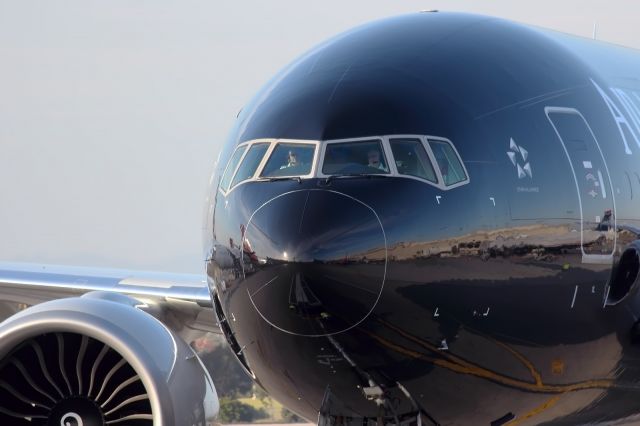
{"x":317,"y":261}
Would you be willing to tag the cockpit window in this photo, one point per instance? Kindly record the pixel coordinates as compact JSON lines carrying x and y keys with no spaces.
{"x":355,"y":158}
{"x":290,"y":159}
{"x":448,"y":161}
{"x":412,"y":159}
{"x":231,"y":167}
{"x":250,"y":163}
{"x":432,"y":159}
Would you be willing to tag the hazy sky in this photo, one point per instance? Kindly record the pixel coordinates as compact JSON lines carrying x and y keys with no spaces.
{"x":112,"y":112}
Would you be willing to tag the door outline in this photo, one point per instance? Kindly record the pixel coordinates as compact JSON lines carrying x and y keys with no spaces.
{"x":586,"y":258}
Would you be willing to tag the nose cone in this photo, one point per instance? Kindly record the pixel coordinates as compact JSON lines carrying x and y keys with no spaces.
{"x":320,"y":261}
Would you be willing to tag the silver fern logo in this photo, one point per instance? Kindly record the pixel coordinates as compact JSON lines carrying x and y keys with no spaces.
{"x":516,"y":153}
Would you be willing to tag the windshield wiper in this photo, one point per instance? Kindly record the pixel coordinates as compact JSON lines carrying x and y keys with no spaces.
{"x":367,"y":175}
{"x":278,"y":178}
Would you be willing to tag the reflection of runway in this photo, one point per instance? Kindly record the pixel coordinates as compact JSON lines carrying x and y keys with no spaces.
{"x":533,"y":341}
{"x":545,"y":304}
{"x":575,"y":381}
{"x":315,"y":298}
{"x":300,"y":294}
{"x":263,"y":286}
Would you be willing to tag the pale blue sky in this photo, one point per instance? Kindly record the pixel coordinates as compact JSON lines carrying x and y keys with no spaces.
{"x":112,"y":112}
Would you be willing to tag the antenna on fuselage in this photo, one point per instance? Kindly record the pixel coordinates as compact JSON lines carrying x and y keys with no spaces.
{"x":595,"y":30}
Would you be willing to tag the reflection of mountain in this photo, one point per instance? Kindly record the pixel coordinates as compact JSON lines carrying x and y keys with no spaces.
{"x":527,"y":238}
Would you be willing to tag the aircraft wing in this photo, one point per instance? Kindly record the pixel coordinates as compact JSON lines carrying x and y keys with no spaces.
{"x":183,"y":299}
{"x":45,"y":282}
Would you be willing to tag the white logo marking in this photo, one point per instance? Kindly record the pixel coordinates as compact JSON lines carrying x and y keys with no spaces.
{"x":514,"y":150}
{"x":66,"y":420}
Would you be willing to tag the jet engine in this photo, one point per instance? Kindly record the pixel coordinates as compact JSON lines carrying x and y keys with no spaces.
{"x":99,"y":360}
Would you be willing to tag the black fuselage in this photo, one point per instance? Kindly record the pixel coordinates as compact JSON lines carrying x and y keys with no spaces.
{"x":502,"y":299}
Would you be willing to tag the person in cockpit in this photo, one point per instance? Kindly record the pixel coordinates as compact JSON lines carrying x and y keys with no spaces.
{"x":374,"y":160}
{"x":292,"y":160}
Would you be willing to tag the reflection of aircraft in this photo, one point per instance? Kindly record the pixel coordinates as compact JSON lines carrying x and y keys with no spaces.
{"x":484,"y":284}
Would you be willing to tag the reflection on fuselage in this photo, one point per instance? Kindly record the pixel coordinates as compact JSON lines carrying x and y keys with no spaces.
{"x":451,"y":250}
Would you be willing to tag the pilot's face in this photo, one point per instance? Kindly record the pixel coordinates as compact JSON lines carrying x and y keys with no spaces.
{"x":293,"y":159}
{"x":374,"y":158}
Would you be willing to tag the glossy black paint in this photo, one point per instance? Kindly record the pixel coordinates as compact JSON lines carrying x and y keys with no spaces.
{"x":484,"y":303}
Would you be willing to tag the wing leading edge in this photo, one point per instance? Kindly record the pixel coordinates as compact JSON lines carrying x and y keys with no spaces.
{"x":33,"y":283}
{"x":181,"y":301}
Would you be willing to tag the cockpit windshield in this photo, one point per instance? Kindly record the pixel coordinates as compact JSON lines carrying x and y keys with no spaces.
{"x":412,"y":159}
{"x":359,"y":157}
{"x":250,"y":163}
{"x":430,"y":159}
{"x":231,"y":167}
{"x":448,"y":161}
{"x":290,"y":159}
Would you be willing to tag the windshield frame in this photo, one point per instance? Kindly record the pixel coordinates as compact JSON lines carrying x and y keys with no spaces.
{"x":272,"y":148}
{"x":441,"y":182}
{"x":430,"y":156}
{"x":391,"y":161}
{"x":380,"y":139}
{"x":227,"y":168}
{"x":247,"y":146}
{"x":320,"y":151}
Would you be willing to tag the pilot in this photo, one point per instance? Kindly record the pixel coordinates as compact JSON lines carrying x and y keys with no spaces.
{"x":292,"y":160}
{"x":374,"y":160}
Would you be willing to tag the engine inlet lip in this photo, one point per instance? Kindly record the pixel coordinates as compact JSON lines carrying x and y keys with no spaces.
{"x":23,"y":327}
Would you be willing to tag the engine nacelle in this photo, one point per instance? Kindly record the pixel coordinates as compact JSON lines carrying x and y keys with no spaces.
{"x":98,"y":360}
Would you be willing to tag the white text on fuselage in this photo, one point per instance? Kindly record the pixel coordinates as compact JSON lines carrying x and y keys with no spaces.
{"x":625,"y":112}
